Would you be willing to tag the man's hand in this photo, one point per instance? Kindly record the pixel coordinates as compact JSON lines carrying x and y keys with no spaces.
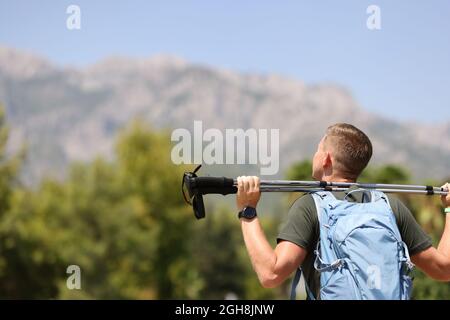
{"x":446,"y":199}
{"x":248,"y":192}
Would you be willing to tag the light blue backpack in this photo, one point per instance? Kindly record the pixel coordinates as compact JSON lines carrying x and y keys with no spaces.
{"x":360,"y":254}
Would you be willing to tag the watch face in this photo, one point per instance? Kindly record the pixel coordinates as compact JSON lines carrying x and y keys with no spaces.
{"x":249,"y":212}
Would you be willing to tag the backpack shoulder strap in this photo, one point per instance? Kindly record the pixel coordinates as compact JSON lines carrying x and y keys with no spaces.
{"x":378,"y":195}
{"x":381,"y":197}
{"x":297,"y":277}
{"x":321,"y":198}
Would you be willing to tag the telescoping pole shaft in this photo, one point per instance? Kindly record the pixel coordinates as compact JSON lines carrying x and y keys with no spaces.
{"x":308,"y":186}
{"x":348,"y":184}
{"x":303,"y":189}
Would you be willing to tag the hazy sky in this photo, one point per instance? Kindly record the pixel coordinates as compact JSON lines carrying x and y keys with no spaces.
{"x":402,"y":70}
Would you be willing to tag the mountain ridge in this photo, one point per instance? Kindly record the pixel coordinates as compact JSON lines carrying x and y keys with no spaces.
{"x":71,"y":113}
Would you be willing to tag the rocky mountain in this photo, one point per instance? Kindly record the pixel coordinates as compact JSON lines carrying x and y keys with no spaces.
{"x":67,"y":114}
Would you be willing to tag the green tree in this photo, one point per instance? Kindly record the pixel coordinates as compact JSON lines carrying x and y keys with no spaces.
{"x":9,"y":166}
{"x":146,"y":170}
{"x":216,"y":242}
{"x":222,"y":259}
{"x":9,"y":182}
{"x":122,"y":221}
{"x":301,"y":170}
{"x":385,"y":174}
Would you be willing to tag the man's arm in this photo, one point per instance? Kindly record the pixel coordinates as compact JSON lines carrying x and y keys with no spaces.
{"x":271,"y":266}
{"x":436,"y":262}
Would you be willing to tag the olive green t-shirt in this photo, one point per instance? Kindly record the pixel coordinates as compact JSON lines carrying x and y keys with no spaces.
{"x":302,"y":228}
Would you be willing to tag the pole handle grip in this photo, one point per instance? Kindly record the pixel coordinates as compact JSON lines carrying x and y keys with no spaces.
{"x":214,"y":185}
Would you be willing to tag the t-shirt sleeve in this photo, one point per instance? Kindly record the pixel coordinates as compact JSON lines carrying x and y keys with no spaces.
{"x":412,"y":234}
{"x":301,"y":226}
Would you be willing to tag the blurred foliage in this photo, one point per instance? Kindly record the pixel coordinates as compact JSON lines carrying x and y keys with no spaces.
{"x":124,"y":223}
{"x":385,"y":174}
{"x":301,"y":170}
{"x":119,"y":221}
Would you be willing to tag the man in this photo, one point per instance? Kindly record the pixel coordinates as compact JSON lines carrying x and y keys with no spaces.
{"x":341,"y":156}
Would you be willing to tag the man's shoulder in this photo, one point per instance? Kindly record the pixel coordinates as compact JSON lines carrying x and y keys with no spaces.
{"x":393,"y":199}
{"x":397,"y":206}
{"x":304,"y":202}
{"x":304,"y":207}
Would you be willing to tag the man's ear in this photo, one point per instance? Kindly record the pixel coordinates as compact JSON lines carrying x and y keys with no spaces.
{"x":327,"y":162}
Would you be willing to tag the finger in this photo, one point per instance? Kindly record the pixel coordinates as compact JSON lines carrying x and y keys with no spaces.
{"x":445,"y":198}
{"x":240,"y":185}
{"x":252,"y":184}
{"x":246,"y":184}
{"x":257,"y":182}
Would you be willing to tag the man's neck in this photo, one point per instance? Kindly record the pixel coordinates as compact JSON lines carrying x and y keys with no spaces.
{"x":337,"y":179}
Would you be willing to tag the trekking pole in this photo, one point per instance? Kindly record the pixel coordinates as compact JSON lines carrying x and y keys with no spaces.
{"x":299,"y":186}
{"x":324,"y":184}
{"x":274,"y":188}
{"x":194,"y":187}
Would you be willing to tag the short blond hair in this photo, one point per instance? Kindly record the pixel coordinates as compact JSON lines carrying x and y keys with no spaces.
{"x":352,"y":149}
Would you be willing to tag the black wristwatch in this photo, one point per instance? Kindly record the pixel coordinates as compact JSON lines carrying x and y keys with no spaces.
{"x":247,"y":213}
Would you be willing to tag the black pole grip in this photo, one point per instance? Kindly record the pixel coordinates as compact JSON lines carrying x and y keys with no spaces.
{"x":214,"y":185}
